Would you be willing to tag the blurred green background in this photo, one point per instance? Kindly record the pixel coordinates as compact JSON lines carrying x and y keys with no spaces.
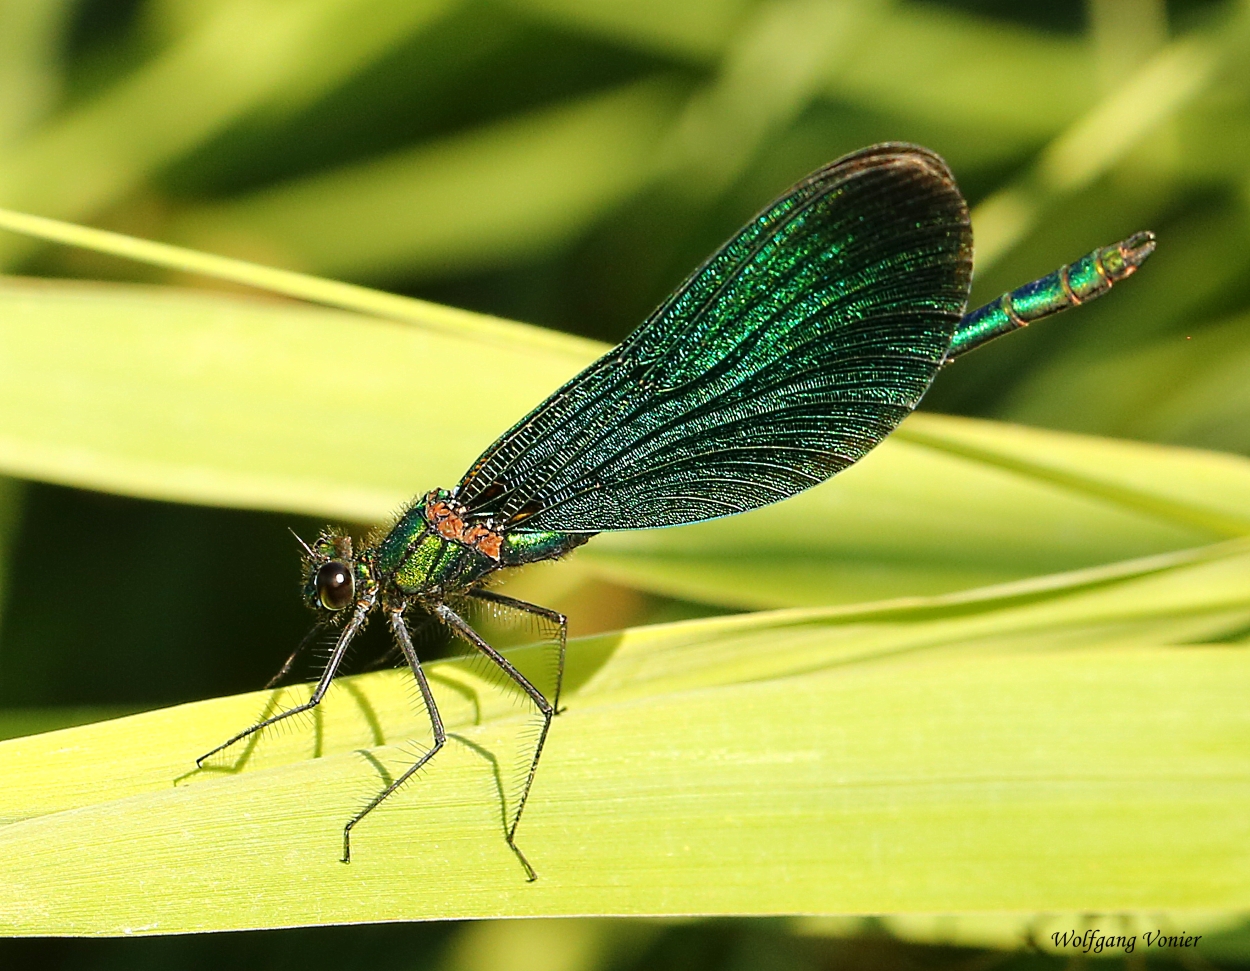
{"x":566,"y":163}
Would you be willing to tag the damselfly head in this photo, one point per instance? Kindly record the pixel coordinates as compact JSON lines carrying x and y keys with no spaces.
{"x":329,"y":572}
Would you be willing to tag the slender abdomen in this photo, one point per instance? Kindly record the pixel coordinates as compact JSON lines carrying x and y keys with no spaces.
{"x":1087,"y":279}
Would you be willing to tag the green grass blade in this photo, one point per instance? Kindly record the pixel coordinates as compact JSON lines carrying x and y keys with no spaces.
{"x":941,"y":65}
{"x":698,"y":29}
{"x":943,"y":504}
{"x":1102,"y":136}
{"x":518,"y":187}
{"x":203,"y":398}
{"x":238,"y":59}
{"x":1201,"y":490}
{"x":29,"y":68}
{"x":1206,"y":398}
{"x":209,"y":398}
{"x":331,"y":293}
{"x":778,"y":63}
{"x":936,"y":64}
{"x":931,"y":756}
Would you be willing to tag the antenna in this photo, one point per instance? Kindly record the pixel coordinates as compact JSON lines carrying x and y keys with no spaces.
{"x":299,"y":539}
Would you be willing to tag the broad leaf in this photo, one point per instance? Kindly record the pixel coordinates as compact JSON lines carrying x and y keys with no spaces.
{"x":1013,"y":749}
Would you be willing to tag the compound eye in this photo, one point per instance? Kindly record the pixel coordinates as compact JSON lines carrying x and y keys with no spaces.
{"x":334,"y":585}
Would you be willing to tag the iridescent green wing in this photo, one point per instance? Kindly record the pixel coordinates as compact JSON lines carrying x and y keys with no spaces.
{"x":796,"y":348}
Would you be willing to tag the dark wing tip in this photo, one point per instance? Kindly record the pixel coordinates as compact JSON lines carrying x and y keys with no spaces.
{"x":925,"y":163}
{"x":887,"y":153}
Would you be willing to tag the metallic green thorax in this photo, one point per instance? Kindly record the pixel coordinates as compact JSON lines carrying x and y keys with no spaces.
{"x":415,"y":560}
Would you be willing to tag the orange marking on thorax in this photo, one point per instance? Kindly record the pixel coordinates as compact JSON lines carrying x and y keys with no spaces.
{"x":447,"y":517}
{"x":485,"y":539}
{"x":451,"y":527}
